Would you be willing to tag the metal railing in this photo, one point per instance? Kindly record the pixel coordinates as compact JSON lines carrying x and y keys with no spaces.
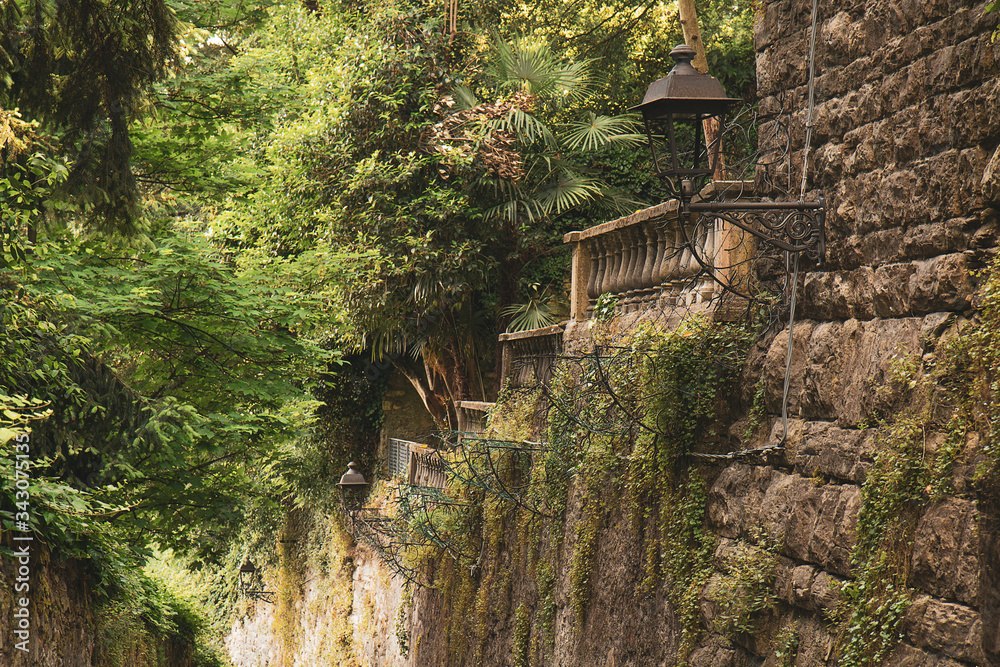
{"x":423,"y":466}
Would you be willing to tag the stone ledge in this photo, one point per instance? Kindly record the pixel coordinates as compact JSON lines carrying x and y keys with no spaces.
{"x":917,"y":288}
{"x":555,"y":329}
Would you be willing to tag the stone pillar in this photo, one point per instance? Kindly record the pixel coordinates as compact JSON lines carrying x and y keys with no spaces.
{"x":580,"y":277}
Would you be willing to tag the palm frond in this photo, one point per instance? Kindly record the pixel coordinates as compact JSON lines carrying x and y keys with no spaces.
{"x":525,"y":126}
{"x":543,"y":308}
{"x":597,"y":131}
{"x":530,"y":66}
{"x":528,"y":316}
{"x":572,"y":82}
{"x":465,"y":99}
{"x":515,"y":209}
{"x":569,"y":189}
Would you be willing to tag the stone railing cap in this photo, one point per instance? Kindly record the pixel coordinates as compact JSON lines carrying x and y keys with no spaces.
{"x":474,"y":405}
{"x":532,"y":333}
{"x":666,"y":210}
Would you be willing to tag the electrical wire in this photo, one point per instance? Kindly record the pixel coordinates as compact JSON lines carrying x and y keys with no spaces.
{"x":812,"y":98}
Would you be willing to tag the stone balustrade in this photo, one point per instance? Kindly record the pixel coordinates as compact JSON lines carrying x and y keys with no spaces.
{"x":472,"y":416}
{"x":644,"y":261}
{"x":529,"y":357}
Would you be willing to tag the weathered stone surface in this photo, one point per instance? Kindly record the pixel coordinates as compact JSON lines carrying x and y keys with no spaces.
{"x":807,"y":587}
{"x":818,"y":523}
{"x":837,"y":295}
{"x":945,"y":554}
{"x":940,"y":283}
{"x":948,"y":628}
{"x":837,"y":367}
{"x":990,"y":182}
{"x":822,"y":448}
{"x":905,"y":655}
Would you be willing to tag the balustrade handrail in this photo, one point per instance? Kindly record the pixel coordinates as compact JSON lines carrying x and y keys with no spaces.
{"x":530,"y":356}
{"x":424,"y":466}
{"x":644,"y":258}
{"x":472,"y":415}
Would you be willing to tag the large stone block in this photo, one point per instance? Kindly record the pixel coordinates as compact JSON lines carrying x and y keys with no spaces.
{"x":818,"y":523}
{"x":823,"y":449}
{"x":839,"y":294}
{"x":945,"y":553}
{"x":837,"y":367}
{"x":952,"y":629}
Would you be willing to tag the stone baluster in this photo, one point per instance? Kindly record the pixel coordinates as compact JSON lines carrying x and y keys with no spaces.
{"x":675,"y":281}
{"x":662,"y":268}
{"x":596,"y":266}
{"x":521,"y":352}
{"x":650,"y":265}
{"x":637,"y":257}
{"x":712,"y":239}
{"x":621,"y":281}
{"x":702,"y":249}
{"x":614,"y":264}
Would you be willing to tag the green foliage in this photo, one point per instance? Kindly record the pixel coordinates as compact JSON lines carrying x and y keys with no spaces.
{"x":630,"y":40}
{"x":608,"y":442}
{"x":984,"y":353}
{"x":994,"y":7}
{"x":746,"y":588}
{"x":687,"y":548}
{"x":786,"y":645}
{"x":144,"y":621}
{"x":522,"y":630}
{"x":916,"y":450}
{"x":399,"y":628}
{"x":86,"y":92}
{"x":184,"y":371}
{"x":544,"y":308}
{"x":605,"y":307}
{"x":582,"y":562}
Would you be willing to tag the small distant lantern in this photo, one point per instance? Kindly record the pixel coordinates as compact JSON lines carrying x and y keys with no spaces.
{"x":247,"y":581}
{"x":352,"y":488}
{"x":246,"y":576}
{"x":683,"y":98}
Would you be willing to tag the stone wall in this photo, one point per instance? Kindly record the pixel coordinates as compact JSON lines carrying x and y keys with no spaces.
{"x":907,"y":123}
{"x":905,"y":149}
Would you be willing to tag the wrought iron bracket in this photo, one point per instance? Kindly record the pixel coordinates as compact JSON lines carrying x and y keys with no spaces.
{"x":260,"y":596}
{"x":797,"y":226}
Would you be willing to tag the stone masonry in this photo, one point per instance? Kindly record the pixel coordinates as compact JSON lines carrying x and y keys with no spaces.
{"x":905,"y":148}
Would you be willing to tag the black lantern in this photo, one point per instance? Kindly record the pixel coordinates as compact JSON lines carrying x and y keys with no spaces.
{"x":248,"y":580}
{"x":247,"y":572}
{"x":352,"y":488}
{"x":674,"y":110}
{"x":686,"y":98}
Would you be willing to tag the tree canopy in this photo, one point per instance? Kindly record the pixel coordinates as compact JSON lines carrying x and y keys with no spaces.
{"x":214,"y":213}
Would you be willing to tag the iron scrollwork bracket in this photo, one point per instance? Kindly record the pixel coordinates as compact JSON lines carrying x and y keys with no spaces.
{"x":798,"y":226}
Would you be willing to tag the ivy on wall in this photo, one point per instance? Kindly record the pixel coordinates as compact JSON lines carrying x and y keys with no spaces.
{"x":616,"y":422}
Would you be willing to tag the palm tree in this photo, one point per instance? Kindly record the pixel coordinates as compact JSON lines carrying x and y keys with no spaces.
{"x":529,"y":143}
{"x":538,"y":88}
